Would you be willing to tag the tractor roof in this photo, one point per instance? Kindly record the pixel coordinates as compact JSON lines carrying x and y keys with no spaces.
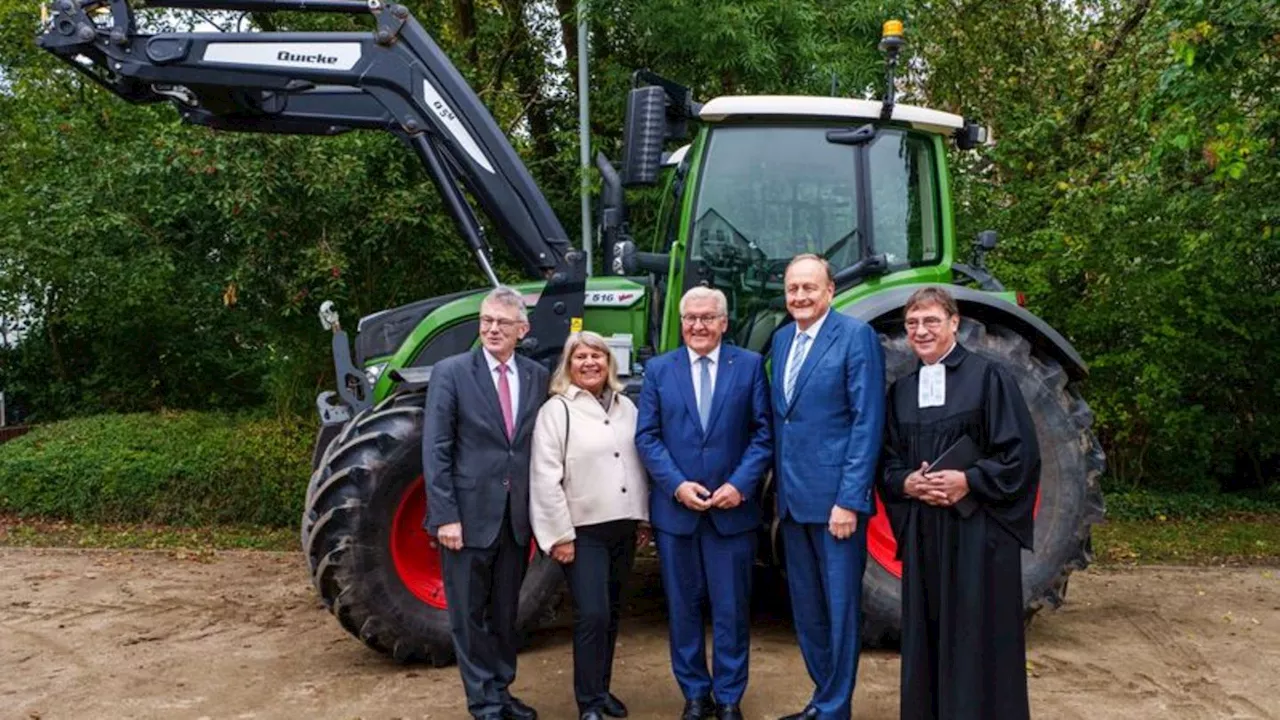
{"x":737,"y":107}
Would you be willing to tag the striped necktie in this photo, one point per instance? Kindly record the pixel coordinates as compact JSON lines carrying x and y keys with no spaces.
{"x":793,"y":370}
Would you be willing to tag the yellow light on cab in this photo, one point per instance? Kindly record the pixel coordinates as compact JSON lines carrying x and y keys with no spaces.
{"x":892,"y":28}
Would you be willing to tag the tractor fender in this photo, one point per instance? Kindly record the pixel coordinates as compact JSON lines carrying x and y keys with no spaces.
{"x":886,"y":307}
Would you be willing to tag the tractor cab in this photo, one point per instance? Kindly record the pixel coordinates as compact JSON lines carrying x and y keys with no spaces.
{"x":769,"y":177}
{"x":774,"y":184}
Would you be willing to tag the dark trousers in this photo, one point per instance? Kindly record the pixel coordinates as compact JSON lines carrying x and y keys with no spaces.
{"x":709,"y":569}
{"x":603,"y":555}
{"x":482,"y":586}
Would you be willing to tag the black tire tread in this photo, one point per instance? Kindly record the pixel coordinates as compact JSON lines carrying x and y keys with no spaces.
{"x":350,"y":575}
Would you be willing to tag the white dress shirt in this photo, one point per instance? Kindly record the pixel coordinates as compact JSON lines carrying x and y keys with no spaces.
{"x":513,"y":380}
{"x":812,"y":334}
{"x":696,"y":370}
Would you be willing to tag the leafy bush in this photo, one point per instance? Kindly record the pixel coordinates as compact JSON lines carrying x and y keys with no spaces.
{"x":185,"y":468}
{"x":1146,"y":505}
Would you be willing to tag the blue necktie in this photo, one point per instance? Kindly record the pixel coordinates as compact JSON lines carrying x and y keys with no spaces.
{"x":797,"y":359}
{"x":704,"y":390}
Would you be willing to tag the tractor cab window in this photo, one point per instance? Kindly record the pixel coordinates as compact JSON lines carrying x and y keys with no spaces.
{"x":904,"y":206}
{"x":768,"y":193}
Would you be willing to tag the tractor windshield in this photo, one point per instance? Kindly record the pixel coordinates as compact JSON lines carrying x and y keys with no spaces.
{"x":767,"y":193}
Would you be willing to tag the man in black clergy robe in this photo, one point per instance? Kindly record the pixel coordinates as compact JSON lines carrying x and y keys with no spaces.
{"x":961,"y":526}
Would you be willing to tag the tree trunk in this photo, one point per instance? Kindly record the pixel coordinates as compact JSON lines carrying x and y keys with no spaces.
{"x":568,"y":10}
{"x":528,"y":68}
{"x":464,"y":24}
{"x":1093,"y":84}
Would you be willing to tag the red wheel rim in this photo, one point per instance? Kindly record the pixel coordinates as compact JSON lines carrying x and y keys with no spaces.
{"x":415,"y":553}
{"x":881,"y":544}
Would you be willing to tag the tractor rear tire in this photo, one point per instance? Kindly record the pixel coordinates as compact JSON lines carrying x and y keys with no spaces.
{"x":1072,"y":462}
{"x":366,"y":497}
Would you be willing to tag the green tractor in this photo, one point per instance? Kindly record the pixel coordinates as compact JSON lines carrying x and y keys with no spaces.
{"x":862,"y":183}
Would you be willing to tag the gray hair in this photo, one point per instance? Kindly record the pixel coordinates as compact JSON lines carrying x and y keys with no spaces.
{"x":804,"y":257}
{"x":561,"y":379}
{"x":701,"y":292}
{"x":503,"y":295}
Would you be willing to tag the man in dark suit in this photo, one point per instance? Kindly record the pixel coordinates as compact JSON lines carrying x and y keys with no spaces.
{"x":828,"y":414}
{"x":475,"y":458}
{"x":703,"y":433}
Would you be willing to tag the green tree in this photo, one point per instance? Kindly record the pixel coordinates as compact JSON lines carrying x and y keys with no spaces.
{"x":1133,"y":183}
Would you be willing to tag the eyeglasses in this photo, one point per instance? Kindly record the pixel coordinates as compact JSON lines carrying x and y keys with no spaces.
{"x":700,"y":319}
{"x":503,"y":324}
{"x":930,"y":323}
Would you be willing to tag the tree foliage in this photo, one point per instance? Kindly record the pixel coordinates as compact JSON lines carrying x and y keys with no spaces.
{"x":1134,"y":184}
{"x":1133,"y":177}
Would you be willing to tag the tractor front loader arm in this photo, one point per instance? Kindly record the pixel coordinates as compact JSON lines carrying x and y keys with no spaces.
{"x":394,"y":78}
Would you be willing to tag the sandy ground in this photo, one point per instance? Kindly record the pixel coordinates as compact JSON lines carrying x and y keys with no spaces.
{"x":107,"y":634}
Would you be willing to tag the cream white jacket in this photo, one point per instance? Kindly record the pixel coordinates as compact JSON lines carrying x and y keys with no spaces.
{"x":598,"y":478}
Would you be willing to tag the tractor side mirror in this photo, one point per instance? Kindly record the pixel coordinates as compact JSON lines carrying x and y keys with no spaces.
{"x":643,"y":135}
{"x":982,"y":244}
{"x":972,"y":135}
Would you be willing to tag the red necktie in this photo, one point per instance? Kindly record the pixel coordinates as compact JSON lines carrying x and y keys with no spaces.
{"x":504,"y":399}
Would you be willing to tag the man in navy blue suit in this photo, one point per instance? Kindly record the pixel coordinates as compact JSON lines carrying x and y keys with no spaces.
{"x":828,"y":414}
{"x":704,"y":435}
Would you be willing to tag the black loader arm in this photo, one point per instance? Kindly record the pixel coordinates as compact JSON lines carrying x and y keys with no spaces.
{"x":393,"y":78}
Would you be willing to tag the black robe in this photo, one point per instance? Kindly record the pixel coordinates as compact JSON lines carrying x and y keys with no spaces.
{"x":963,"y":647}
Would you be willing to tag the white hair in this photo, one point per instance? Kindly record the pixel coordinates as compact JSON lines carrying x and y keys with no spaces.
{"x":701,"y":292}
{"x":503,"y":295}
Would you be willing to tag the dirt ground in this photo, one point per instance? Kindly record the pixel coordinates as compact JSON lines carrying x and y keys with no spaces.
{"x":110,"y":634}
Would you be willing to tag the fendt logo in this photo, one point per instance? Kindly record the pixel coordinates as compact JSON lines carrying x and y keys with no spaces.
{"x":287,"y":56}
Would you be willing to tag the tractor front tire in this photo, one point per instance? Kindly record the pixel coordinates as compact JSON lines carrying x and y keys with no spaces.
{"x":1070,"y":494}
{"x":373,"y":565}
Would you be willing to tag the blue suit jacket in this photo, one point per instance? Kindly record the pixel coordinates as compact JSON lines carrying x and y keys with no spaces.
{"x":828,"y":438}
{"x":674,"y":449}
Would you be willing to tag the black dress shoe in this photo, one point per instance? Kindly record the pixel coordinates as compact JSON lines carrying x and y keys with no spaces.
{"x":613,"y":707}
{"x":516,"y":710}
{"x":809,"y":713}
{"x":698,"y":709}
{"x":728,"y":712}
{"x":591,"y":715}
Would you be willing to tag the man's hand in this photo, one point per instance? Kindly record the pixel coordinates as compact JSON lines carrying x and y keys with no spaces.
{"x":563,"y":553}
{"x":948,"y":485}
{"x":693,"y":496}
{"x":726,"y":497}
{"x":843,"y":523}
{"x":915,"y":485}
{"x":450,"y":536}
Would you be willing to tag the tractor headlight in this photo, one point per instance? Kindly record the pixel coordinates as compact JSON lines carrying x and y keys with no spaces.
{"x":373,"y":372}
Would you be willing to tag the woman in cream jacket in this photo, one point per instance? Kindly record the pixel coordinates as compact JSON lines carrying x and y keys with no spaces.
{"x":589,"y":505}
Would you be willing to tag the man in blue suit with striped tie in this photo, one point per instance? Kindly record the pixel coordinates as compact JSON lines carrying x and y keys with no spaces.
{"x":828,"y":414}
{"x":704,"y":435}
